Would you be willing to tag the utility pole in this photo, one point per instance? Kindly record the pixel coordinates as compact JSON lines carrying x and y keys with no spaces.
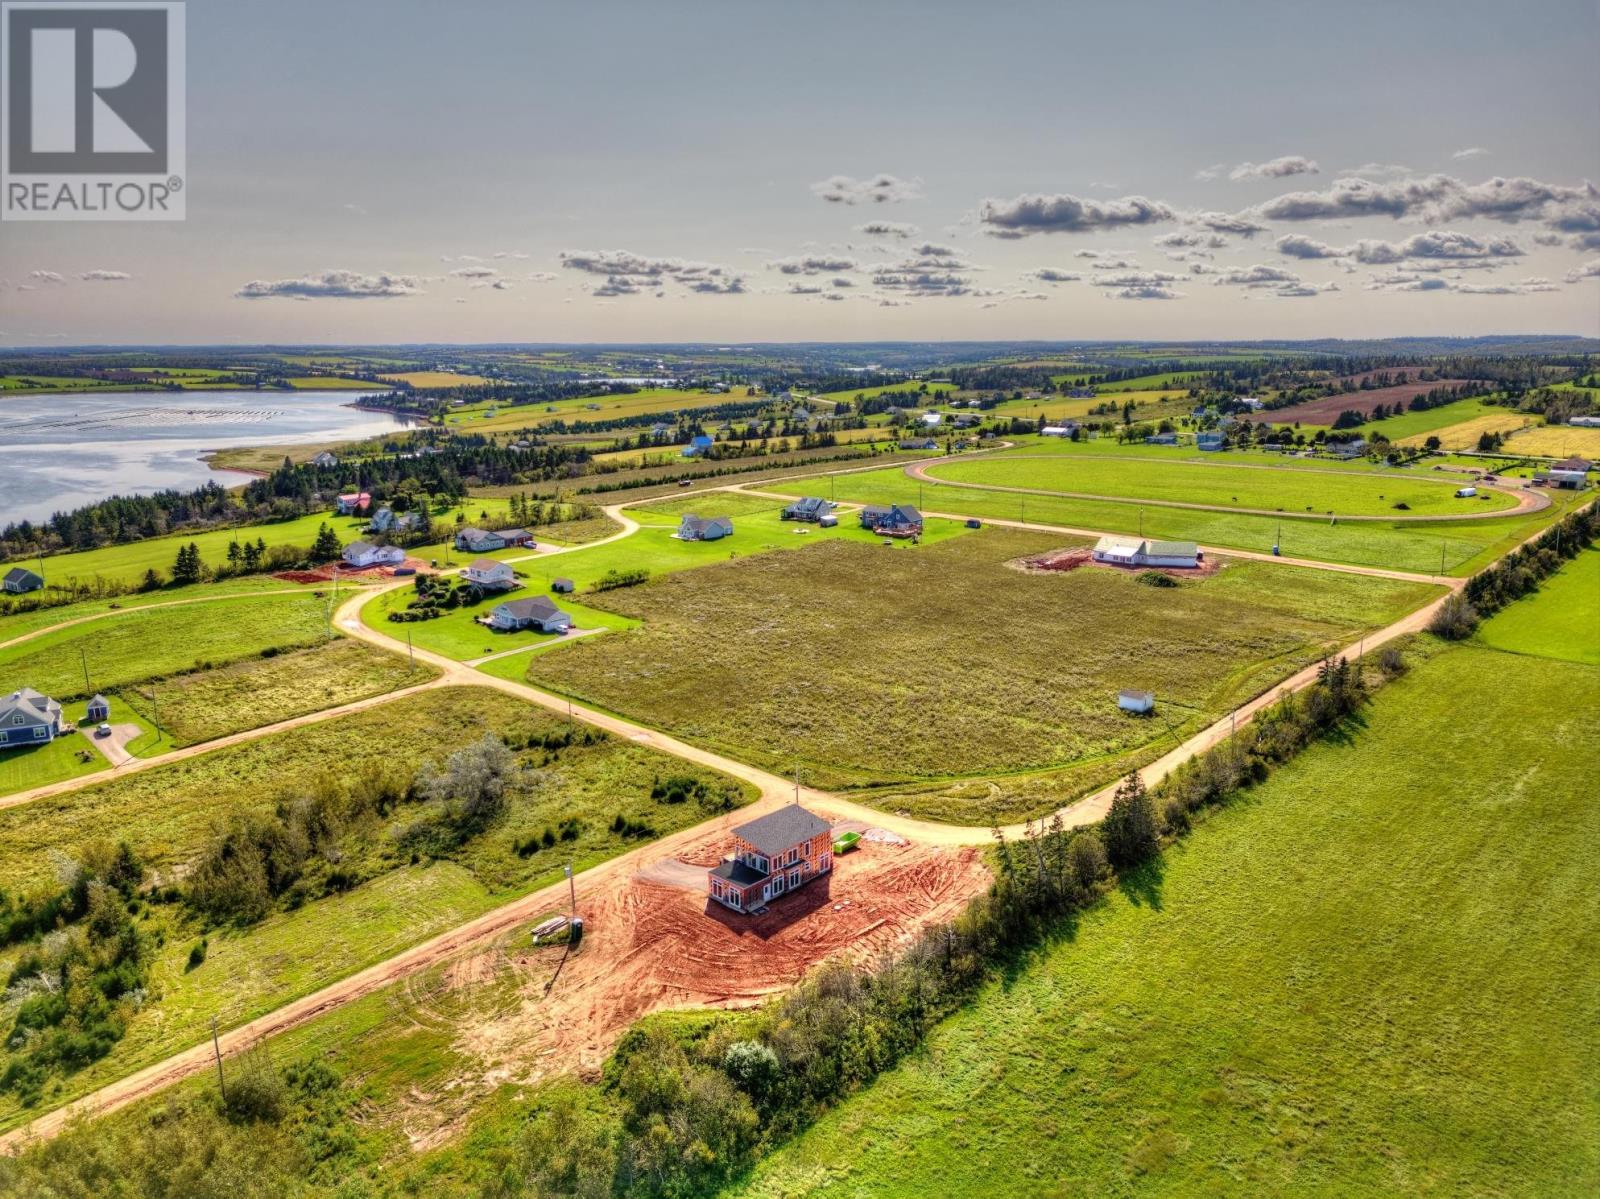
{"x":155,"y":708}
{"x":84,"y":658}
{"x":411,"y":653}
{"x":216,"y":1048}
{"x":572,"y":890}
{"x":1441,"y":557}
{"x":797,"y":782}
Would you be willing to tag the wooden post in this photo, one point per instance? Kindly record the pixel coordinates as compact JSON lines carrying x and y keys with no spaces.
{"x":216,"y":1048}
{"x":84,"y":658}
{"x":572,"y":890}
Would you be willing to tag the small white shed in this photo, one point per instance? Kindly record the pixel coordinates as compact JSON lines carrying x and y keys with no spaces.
{"x":1140,"y":703}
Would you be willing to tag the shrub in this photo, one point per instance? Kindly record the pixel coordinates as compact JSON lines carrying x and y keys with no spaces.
{"x":197,"y":954}
{"x":1155,"y":578}
{"x":1455,"y":619}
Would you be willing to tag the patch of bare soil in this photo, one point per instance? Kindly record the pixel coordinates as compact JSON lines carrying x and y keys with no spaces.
{"x":1058,"y":561}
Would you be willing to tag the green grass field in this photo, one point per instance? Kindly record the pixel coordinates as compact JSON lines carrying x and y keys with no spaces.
{"x":167,"y":813}
{"x":875,"y":668}
{"x":155,"y":642}
{"x":22,"y":623}
{"x":259,"y":691}
{"x":1562,"y":622}
{"x":1430,"y":420}
{"x":1461,"y":547}
{"x":1291,"y":491}
{"x":1375,"y":975}
{"x":129,"y":562}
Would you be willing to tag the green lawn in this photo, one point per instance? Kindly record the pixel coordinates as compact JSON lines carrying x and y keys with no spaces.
{"x":166,"y":814}
{"x":1430,"y":420}
{"x":1561,"y":621}
{"x":156,"y":642}
{"x":21,"y":623}
{"x":36,"y":765}
{"x":1376,"y":975}
{"x":874,"y":668}
{"x":1463,"y":546}
{"x":1291,"y":491}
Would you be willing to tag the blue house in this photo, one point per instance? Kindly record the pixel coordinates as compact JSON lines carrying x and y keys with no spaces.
{"x":28,"y":718}
{"x":898,"y":520}
{"x":811,"y":508}
{"x":1209,"y":441}
{"x":697,"y":446}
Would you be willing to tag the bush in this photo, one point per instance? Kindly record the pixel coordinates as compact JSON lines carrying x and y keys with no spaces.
{"x":197,"y":954}
{"x":254,"y":1091}
{"x":1455,"y":619}
{"x":1155,"y":578}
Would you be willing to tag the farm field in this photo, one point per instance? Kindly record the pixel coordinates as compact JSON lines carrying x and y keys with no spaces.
{"x":1290,"y":491}
{"x":1417,"y":425}
{"x":1561,"y":621}
{"x":330,"y":383}
{"x":490,"y":417}
{"x":254,"y":692}
{"x":1464,"y":435}
{"x":435,"y":379}
{"x":1557,"y":441}
{"x":758,"y":529}
{"x":1352,"y":981}
{"x":869,"y":668}
{"x":398,"y":895}
{"x":156,"y":642}
{"x":1326,"y":410}
{"x":1458,"y":546}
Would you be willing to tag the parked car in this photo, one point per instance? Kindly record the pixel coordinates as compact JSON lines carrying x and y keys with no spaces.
{"x":102,"y":730}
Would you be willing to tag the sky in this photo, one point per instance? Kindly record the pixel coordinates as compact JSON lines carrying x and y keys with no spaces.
{"x":384,"y":171}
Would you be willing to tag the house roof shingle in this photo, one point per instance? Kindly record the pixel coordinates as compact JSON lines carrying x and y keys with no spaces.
{"x":787,"y":827}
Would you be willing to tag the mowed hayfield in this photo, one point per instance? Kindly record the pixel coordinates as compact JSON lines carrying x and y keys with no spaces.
{"x":1451,"y":547}
{"x":167,"y":814}
{"x":436,"y":379}
{"x":1557,"y":441}
{"x":490,"y":417}
{"x":1564,"y":622}
{"x":1374,"y":975}
{"x":1294,"y":492}
{"x":870,"y":666}
{"x":103,"y":655}
{"x":1427,"y":421}
{"x":258,"y":691}
{"x":1464,"y":435}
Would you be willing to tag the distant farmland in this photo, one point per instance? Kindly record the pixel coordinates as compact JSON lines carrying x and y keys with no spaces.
{"x":1326,"y":410}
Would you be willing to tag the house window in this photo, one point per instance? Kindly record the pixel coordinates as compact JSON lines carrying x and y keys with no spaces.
{"x":794,"y":878}
{"x":18,"y":718}
{"x":40,"y":733}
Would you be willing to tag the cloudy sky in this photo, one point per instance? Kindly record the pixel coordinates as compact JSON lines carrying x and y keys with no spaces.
{"x":387,"y":170}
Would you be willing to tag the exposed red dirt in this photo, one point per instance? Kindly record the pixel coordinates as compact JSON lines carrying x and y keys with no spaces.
{"x":650,"y":945}
{"x":1082,"y":555}
{"x":1326,"y":410}
{"x":324,"y":574}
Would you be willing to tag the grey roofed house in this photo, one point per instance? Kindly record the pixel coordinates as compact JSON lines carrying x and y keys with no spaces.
{"x":479,"y":540}
{"x":537,"y":610}
{"x":705,"y":528}
{"x":27,"y":717}
{"x":98,"y":708}
{"x":810,"y":508}
{"x":19,"y":579}
{"x":787,"y":827}
{"x":738,"y":873}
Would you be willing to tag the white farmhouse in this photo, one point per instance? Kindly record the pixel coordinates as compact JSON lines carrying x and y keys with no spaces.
{"x":364,"y":553}
{"x":1136,"y":551}
{"x":491,"y":575}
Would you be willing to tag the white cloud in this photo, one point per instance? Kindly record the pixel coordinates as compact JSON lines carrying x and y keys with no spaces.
{"x":880,"y":189}
{"x":626,"y":273}
{"x":332,"y":285}
{"x":1029,"y":214}
{"x":888,"y":229}
{"x":1277,"y":168}
{"x":1470,"y":152}
{"x":1586,"y":270}
{"x":104,"y":276}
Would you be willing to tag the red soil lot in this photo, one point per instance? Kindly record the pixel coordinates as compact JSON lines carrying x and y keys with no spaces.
{"x":1326,"y":410}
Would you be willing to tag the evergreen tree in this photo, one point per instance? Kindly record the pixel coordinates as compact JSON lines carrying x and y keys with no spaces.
{"x":1129,"y":828}
{"x":326,"y":547}
{"x":187,"y":567}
